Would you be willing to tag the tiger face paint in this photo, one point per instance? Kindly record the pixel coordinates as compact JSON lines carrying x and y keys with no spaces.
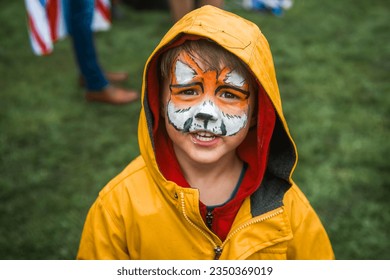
{"x":207,"y":101}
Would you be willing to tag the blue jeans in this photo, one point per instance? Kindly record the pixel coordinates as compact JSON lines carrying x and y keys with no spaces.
{"x":80,"y":16}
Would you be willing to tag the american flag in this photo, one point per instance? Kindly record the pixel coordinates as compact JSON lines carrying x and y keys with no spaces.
{"x":47,"y":22}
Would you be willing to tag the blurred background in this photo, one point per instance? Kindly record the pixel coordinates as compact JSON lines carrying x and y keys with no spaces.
{"x":57,"y":151}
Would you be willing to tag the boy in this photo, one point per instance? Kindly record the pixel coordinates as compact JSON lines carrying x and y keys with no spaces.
{"x":213,"y":180}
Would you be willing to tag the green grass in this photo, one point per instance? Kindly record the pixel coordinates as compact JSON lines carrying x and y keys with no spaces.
{"x":57,"y":151}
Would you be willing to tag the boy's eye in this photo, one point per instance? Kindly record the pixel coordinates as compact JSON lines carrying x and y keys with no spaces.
{"x":188,"y":92}
{"x":229,"y":95}
{"x":185,"y":94}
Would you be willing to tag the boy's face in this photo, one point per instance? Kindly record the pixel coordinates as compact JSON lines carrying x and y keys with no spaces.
{"x":206,"y":111}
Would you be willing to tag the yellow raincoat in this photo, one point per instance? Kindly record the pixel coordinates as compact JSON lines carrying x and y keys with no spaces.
{"x":145,"y":214}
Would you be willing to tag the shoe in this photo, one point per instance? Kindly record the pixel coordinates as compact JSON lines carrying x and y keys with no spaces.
{"x":112,"y":95}
{"x":117,"y":77}
{"x":112,"y":77}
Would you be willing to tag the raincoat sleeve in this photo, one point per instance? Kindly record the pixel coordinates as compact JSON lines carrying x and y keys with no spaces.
{"x":310,"y":240}
{"x":103,"y":236}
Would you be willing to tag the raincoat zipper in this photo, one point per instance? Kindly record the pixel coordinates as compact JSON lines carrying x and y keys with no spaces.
{"x":219,"y":248}
{"x":209,"y":218}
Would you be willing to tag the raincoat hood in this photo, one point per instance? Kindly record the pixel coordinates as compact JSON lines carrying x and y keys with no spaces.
{"x":149,"y":212}
{"x":269,"y":148}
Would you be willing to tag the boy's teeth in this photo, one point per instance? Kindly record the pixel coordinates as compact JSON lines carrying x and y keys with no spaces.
{"x":204,"y":136}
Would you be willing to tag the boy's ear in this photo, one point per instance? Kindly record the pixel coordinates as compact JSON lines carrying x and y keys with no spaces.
{"x":253,"y":120}
{"x":162,"y":110}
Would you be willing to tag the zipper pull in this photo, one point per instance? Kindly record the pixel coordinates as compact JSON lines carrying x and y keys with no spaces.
{"x":209,"y":218}
{"x":218,"y":252}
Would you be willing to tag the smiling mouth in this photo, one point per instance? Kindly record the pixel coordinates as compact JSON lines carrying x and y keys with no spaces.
{"x":204,"y":136}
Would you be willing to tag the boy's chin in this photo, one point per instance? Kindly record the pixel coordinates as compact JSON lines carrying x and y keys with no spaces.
{"x":206,"y":156}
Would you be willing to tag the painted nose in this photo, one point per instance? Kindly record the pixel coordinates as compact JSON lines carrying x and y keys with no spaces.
{"x":207,"y":112}
{"x":204,"y":116}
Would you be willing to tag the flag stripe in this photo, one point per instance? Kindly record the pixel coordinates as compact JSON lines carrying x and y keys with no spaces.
{"x":104,"y":9}
{"x":47,"y":21}
{"x":52,"y":14}
{"x":37,"y":38}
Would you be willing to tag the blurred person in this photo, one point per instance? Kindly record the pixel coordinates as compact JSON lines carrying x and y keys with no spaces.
{"x":147,"y":5}
{"x":51,"y":20}
{"x":99,"y":87}
{"x":275,"y":7}
{"x":181,"y":7}
{"x":214,"y":176}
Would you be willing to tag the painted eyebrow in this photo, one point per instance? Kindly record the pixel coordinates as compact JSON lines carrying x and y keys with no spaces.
{"x":186,"y":85}
{"x":245,"y":92}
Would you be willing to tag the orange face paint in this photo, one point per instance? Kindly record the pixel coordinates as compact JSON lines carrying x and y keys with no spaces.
{"x":207,"y":100}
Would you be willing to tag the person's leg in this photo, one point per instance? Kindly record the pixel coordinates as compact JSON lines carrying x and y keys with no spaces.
{"x":80,"y":15}
{"x":180,"y":7}
{"x":80,"y":20}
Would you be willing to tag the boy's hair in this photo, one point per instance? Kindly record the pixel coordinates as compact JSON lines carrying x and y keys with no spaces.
{"x":211,"y":55}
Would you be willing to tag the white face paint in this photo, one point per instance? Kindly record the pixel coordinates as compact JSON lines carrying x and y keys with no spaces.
{"x":205,"y":116}
{"x":235,"y":79}
{"x":207,"y":101}
{"x":184,"y":73}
